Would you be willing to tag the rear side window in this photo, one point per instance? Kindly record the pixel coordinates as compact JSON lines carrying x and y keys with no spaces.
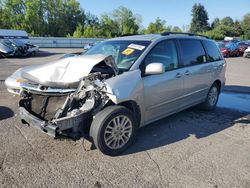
{"x":193,"y":52}
{"x":212,"y":50}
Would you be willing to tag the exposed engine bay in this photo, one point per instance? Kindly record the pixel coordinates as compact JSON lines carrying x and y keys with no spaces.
{"x":55,"y":110}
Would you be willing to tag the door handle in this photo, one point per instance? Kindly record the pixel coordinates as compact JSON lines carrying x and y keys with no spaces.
{"x":178,"y":75}
{"x":187,"y":72}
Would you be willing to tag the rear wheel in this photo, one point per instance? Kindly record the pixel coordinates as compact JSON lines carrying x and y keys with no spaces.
{"x":212,"y":98}
{"x":113,"y":130}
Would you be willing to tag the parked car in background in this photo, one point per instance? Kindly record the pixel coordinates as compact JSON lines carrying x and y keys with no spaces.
{"x":17,"y":48}
{"x":247,"y":53}
{"x":224,"y":50}
{"x":233,"y":49}
{"x":242,"y":46}
{"x":6,"y":50}
{"x":32,"y":49}
{"x":20,"y":47}
{"x":228,"y":49}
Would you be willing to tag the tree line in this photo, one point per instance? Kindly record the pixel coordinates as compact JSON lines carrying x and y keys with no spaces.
{"x":60,"y":18}
{"x":219,"y":28}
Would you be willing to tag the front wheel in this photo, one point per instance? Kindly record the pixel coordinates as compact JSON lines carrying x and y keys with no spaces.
{"x":212,"y":98}
{"x":113,"y":130}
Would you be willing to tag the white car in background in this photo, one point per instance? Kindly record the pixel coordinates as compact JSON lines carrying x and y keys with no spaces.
{"x":247,"y":53}
{"x":32,"y":49}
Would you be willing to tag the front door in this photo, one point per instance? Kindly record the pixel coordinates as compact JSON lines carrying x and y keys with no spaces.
{"x":161,"y":92}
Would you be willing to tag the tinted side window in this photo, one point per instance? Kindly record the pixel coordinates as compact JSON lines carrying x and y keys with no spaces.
{"x":193,"y":52}
{"x":165,"y":53}
{"x":212,"y":50}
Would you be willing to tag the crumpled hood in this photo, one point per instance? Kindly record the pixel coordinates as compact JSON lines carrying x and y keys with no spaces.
{"x":67,"y":71}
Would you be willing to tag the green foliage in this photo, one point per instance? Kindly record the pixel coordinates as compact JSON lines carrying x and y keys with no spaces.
{"x":91,"y":31}
{"x":238,"y":31}
{"x":109,"y":27}
{"x":224,"y":27}
{"x":214,"y":34}
{"x":215,"y":23}
{"x":128,"y":23}
{"x":245,"y":24}
{"x":221,"y":31}
{"x":159,"y":26}
{"x":2,"y":22}
{"x":13,"y":14}
{"x":156,"y":27}
{"x":41,"y":17}
{"x":62,"y":18}
{"x":78,"y":32}
{"x":33,"y":19}
{"x":176,"y":29}
{"x":247,"y":35}
{"x":199,"y":21}
{"x":228,"y":21}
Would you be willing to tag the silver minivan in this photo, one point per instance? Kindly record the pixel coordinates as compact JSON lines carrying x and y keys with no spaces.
{"x":120,"y":85}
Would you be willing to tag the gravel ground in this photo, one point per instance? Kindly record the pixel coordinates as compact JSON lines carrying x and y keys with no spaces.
{"x":192,"y":148}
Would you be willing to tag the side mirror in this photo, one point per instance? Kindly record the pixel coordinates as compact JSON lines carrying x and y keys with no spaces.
{"x":154,"y":68}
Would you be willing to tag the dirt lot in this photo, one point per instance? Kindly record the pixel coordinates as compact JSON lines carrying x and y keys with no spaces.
{"x":190,"y":149}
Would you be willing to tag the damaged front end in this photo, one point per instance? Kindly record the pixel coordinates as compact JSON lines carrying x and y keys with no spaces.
{"x":61,"y":110}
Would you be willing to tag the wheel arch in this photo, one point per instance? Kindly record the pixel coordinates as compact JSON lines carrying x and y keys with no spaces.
{"x":132,"y":106}
{"x":218,"y":83}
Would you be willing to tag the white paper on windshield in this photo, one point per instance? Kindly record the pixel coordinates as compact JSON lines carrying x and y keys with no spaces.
{"x":136,"y":46}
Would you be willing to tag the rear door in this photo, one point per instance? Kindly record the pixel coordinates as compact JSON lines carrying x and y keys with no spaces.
{"x":196,"y":69}
{"x":161,"y":92}
{"x":216,"y":60}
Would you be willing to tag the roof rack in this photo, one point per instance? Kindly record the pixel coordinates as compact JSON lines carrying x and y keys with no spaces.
{"x":180,"y":33}
{"x":128,"y":34}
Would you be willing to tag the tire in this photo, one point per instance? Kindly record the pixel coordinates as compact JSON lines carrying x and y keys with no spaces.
{"x":113,"y":130}
{"x":212,"y":98}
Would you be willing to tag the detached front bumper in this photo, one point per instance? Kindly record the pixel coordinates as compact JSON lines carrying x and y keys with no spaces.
{"x":30,"y":119}
{"x":54,"y":127}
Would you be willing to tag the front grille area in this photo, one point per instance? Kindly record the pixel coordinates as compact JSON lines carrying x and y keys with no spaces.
{"x":44,"y":107}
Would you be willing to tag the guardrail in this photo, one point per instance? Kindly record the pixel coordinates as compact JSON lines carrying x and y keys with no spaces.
{"x":59,"y":42}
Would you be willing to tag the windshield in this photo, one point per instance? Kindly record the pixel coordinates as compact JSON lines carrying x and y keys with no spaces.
{"x":8,"y":43}
{"x":17,"y":42}
{"x":124,"y":52}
